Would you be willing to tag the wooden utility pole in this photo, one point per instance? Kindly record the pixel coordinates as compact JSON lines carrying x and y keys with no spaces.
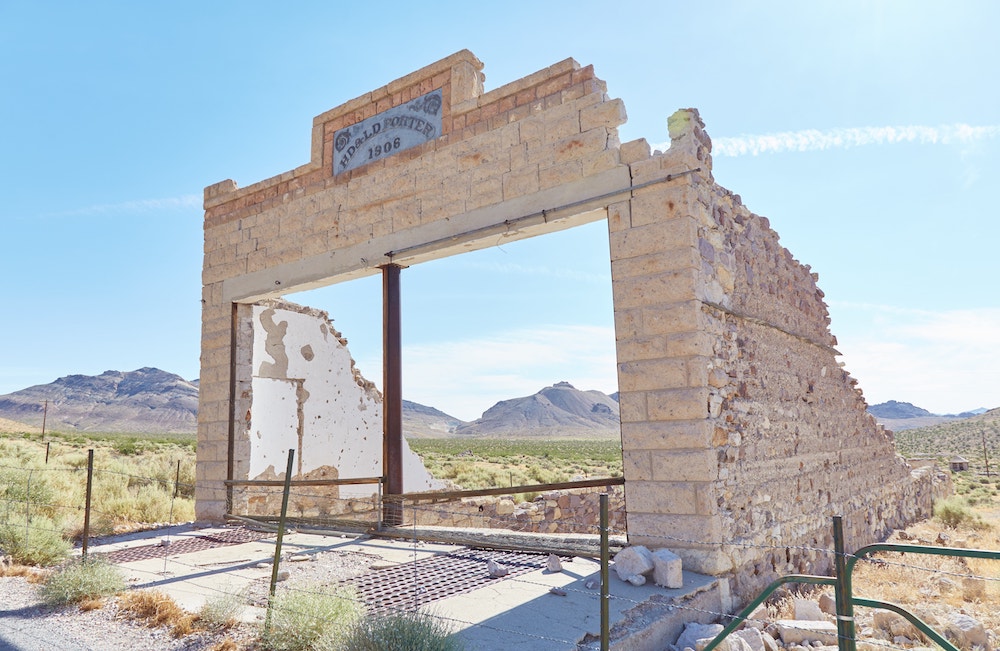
{"x":45,"y":414}
{"x":986,"y":456}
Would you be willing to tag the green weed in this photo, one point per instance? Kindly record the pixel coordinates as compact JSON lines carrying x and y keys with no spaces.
{"x":80,"y":579}
{"x":402,"y":632}
{"x":313,"y":619}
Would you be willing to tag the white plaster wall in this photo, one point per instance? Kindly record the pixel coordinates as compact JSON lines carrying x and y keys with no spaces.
{"x":305,"y":396}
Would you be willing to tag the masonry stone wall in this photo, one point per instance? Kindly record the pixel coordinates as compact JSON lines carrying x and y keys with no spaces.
{"x":563,"y":512}
{"x":739,"y":428}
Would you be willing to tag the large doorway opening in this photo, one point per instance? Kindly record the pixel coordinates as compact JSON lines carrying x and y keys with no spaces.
{"x":508,"y":353}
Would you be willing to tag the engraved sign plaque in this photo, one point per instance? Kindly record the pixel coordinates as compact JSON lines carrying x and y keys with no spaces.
{"x":392,"y":131}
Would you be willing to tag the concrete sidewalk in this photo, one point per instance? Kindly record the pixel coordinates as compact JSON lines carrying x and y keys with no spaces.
{"x":530,"y":610}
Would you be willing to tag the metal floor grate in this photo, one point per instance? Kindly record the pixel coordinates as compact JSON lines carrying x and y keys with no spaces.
{"x":410,"y":585}
{"x":186,"y":545}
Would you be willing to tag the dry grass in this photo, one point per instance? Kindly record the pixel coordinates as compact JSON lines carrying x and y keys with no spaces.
{"x":931,"y":584}
{"x":14,"y":427}
{"x":155,"y":609}
{"x":33,"y":574}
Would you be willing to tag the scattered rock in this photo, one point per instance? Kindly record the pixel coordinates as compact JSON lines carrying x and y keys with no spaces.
{"x":827,"y":604}
{"x":636,"y":579}
{"x":757,"y":617}
{"x":693,"y":632}
{"x":973,"y":589}
{"x":757,"y":640}
{"x":298,"y":558}
{"x":591,"y":585}
{"x":495,"y":569}
{"x":557,"y":591}
{"x":553,"y":564}
{"x":943,"y":538}
{"x":809,"y":610}
{"x":894,"y":625}
{"x":796,"y":631}
{"x":667,"y":569}
{"x":967,"y":632}
{"x":283,"y":575}
{"x":632,"y":561}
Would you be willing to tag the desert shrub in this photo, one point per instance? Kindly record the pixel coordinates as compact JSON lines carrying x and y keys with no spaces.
{"x":314,"y":619}
{"x":27,"y":489}
{"x":402,"y":632}
{"x":39,"y":542}
{"x":954,"y":513}
{"x":82,"y":578}
{"x":222,"y":609}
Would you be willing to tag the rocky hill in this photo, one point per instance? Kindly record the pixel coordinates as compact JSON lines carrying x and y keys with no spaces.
{"x":150,"y":400}
{"x":422,"y":422}
{"x":558,"y":411}
{"x":899,"y":416}
{"x":145,"y":400}
{"x":964,"y":437}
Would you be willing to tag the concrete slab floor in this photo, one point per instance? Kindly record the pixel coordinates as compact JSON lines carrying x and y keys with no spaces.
{"x":519,"y":611}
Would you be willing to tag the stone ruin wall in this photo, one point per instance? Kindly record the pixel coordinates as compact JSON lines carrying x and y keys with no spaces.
{"x":795,"y":443}
{"x":566,"y":511}
{"x":738,"y":424}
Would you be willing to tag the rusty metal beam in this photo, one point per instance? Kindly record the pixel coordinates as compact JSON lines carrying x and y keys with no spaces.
{"x":392,"y":393}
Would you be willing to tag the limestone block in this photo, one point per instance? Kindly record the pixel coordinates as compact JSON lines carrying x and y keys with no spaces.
{"x":797,"y":631}
{"x":895,"y":625}
{"x":608,"y":114}
{"x":693,"y":632}
{"x":636,"y":560}
{"x":505,"y":507}
{"x":967,"y":633}
{"x":667,"y":569}
{"x":808,"y":609}
{"x":634,"y":151}
{"x":757,"y":640}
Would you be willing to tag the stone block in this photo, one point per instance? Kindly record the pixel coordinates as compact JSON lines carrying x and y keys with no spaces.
{"x":693,"y":632}
{"x":796,"y":631}
{"x":636,"y":560}
{"x":607,"y":114}
{"x":808,"y":609}
{"x":652,"y":374}
{"x":667,"y":569}
{"x":662,"y":496}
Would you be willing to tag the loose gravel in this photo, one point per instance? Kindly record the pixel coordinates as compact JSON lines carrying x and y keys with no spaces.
{"x":27,"y":624}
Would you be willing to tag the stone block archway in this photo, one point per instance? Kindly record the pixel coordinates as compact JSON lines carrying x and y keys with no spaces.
{"x":741,"y":434}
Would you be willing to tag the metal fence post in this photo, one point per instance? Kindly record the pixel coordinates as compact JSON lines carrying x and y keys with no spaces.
{"x":86,"y":509}
{"x":842,"y":590}
{"x":605,"y":588}
{"x":281,"y":535}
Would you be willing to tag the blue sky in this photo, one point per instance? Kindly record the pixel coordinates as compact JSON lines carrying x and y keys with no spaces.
{"x":867,"y":132}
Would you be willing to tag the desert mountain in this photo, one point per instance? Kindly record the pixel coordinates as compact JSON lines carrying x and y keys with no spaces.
{"x":968,"y":437}
{"x":558,"y":411}
{"x":145,"y":400}
{"x":899,"y":416}
{"x":422,"y":422}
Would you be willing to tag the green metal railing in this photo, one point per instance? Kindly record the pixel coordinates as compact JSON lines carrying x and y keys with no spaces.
{"x":842,"y":584}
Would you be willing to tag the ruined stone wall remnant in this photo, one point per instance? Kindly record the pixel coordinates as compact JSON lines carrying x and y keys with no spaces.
{"x":304,"y":393}
{"x":742,"y":435}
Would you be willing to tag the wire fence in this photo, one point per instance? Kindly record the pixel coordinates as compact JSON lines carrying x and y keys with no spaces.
{"x":40,"y":503}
